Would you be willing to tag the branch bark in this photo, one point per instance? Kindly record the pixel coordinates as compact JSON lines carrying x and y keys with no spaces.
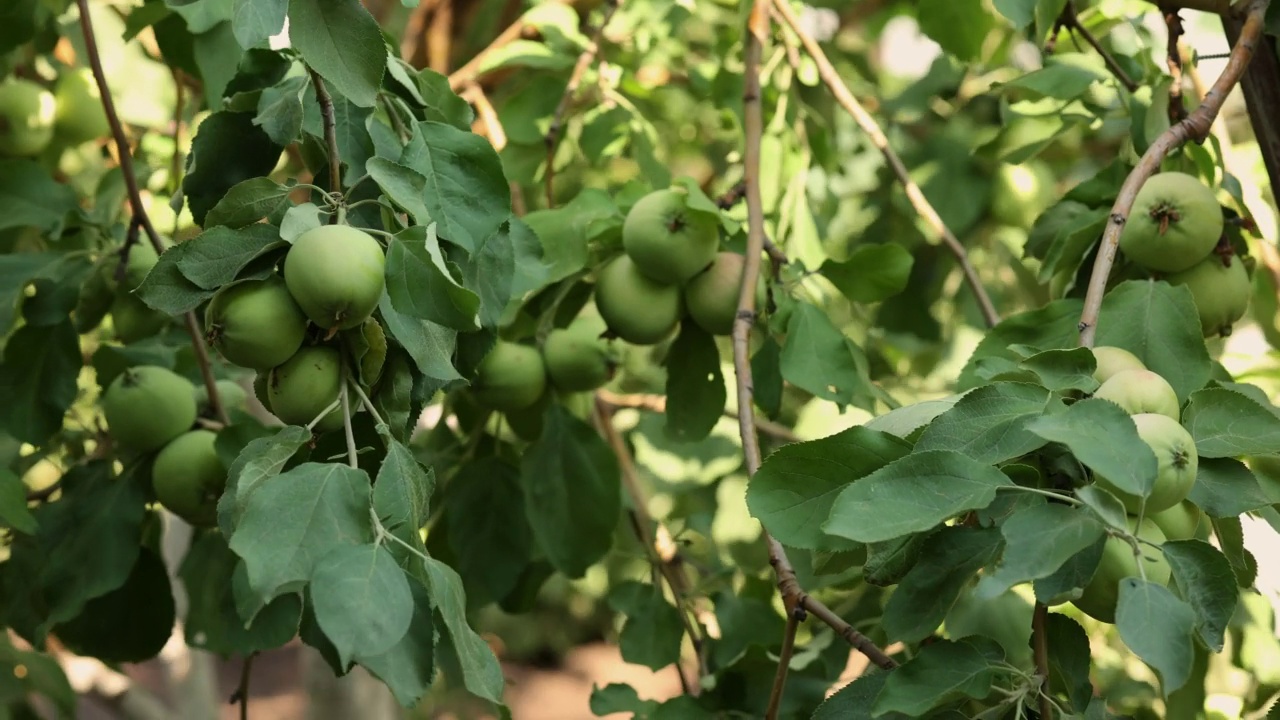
{"x":1196,"y":127}
{"x":330,"y":135}
{"x":1040,"y":650}
{"x":1071,"y":20}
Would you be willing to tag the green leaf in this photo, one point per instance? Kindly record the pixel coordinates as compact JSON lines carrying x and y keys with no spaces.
{"x":167,"y":290}
{"x":1206,"y":582}
{"x":30,"y":197}
{"x":793,"y":491}
{"x":292,"y":521}
{"x":215,"y":257}
{"x":38,"y":380}
{"x":403,"y":185}
{"x":951,"y":557}
{"x":653,"y":630}
{"x":13,"y":503}
{"x":495,"y":543}
{"x":856,"y":701}
{"x":913,"y":494}
{"x":212,"y":621}
{"x":17,"y":23}
{"x":990,"y":424}
{"x":16,"y":273}
{"x":1158,"y":628}
{"x":619,"y":698}
{"x":41,"y":673}
{"x":696,"y":393}
{"x":340,"y":40}
{"x":420,"y":283}
{"x":201,"y":14}
{"x":941,"y":672}
{"x":766,"y":377}
{"x":506,"y":267}
{"x":904,"y":421}
{"x":355,"y":142}
{"x":1037,"y":541}
{"x":819,"y":359}
{"x":1050,"y":326}
{"x":1230,"y":534}
{"x":481,"y":673}
{"x":430,"y":345}
{"x":1224,"y":487}
{"x":1226,"y":423}
{"x":1070,"y":659}
{"x":256,"y":21}
{"x":466,"y":192}
{"x":1064,"y":370}
{"x":362,"y":600}
{"x":565,"y":232}
{"x":217,"y":56}
{"x":259,"y":461}
{"x":872,"y":272}
{"x":227,"y":150}
{"x":889,"y":561}
{"x":132,"y":623}
{"x":959,"y":26}
{"x":744,"y":622}
{"x":408,"y":668}
{"x":1158,"y":323}
{"x":248,"y":202}
{"x":1103,"y":437}
{"x":280,"y":111}
{"x":571,"y":487}
{"x":402,"y":493}
{"x":1062,"y":81}
{"x":1074,"y":574}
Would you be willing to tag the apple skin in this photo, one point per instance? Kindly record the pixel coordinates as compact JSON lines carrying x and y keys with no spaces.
{"x":1175,"y":223}
{"x":1141,"y":391}
{"x":636,"y":308}
{"x":1100,"y":595}
{"x":511,"y":377}
{"x":1111,"y":360}
{"x":1177,"y":464}
{"x":336,"y":274}
{"x":188,"y":478}
{"x":79,"y":117}
{"x":1021,"y":192}
{"x":712,"y":295}
{"x":669,"y":242}
{"x":1221,"y":293}
{"x":577,"y":357}
{"x":27,"y":114}
{"x":1183,"y":521}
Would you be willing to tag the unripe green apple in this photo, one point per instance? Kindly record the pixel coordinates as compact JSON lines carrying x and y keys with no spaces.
{"x":1111,"y":360}
{"x":27,"y":113}
{"x":230,"y":393}
{"x":1022,"y":192}
{"x":1221,"y":292}
{"x":1141,"y":391}
{"x":1175,"y":223}
{"x":304,"y":385}
{"x":577,"y":357}
{"x":669,"y":242}
{"x":336,"y":273}
{"x":142,"y":257}
{"x":712,"y":296}
{"x":255,"y":323}
{"x":146,"y":406}
{"x":133,"y":320}
{"x":511,"y":377}
{"x":188,"y":478}
{"x":637,"y":309}
{"x":1118,"y":562}
{"x":1182,"y":522}
{"x":79,"y":115}
{"x":1176,"y":464}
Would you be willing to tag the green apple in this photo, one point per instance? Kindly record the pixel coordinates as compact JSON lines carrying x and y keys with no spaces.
{"x":1183,"y":521}
{"x":1176,"y":464}
{"x":1141,"y":391}
{"x":1221,"y":291}
{"x":1111,"y":360}
{"x":79,"y":116}
{"x":27,"y":113}
{"x":1022,"y":192}
{"x":1118,"y":562}
{"x":511,"y":377}
{"x":1175,"y":223}
{"x":669,"y":241}
{"x":637,"y":309}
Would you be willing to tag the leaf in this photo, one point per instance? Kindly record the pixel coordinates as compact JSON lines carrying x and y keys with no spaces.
{"x":990,"y":424}
{"x":132,"y":623}
{"x":212,"y":621}
{"x":40,"y":672}
{"x":167,"y":290}
{"x":201,"y":15}
{"x":912,"y":494}
{"x":1103,"y":437}
{"x":495,"y":543}
{"x":408,"y":668}
{"x":17,"y":24}
{"x":793,"y":491}
{"x":38,"y":380}
{"x":940,"y":672}
{"x":342,"y":42}
{"x":293,"y":520}
{"x":906,"y":420}
{"x":1158,"y":323}
{"x":355,"y":142}
{"x":1230,"y":534}
{"x":30,"y":197}
{"x":1074,"y":574}
{"x":466,"y":191}
{"x":571,"y":487}
{"x":227,"y":150}
{"x":17,"y":271}
{"x":256,"y":21}
{"x":959,"y":26}
{"x":856,"y":700}
{"x":653,"y":630}
{"x":430,"y":345}
{"x":1206,"y":582}
{"x":13,"y":503}
{"x":260,"y":460}
{"x":248,"y":202}
{"x":951,"y":557}
{"x":504,"y":270}
{"x":1050,"y":326}
{"x":362,"y":600}
{"x":1070,"y":660}
{"x":481,"y":673}
{"x":402,"y":493}
{"x":1224,"y":487}
{"x":215,"y":257}
{"x":1157,"y":627}
{"x":1226,"y":423}
{"x":696,"y":393}
{"x":888,"y":562}
{"x":619,"y":698}
{"x":217,"y":56}
{"x":1037,"y":541}
{"x":1064,"y":370}
{"x":403,"y":185}
{"x":872,"y":272}
{"x":280,"y":111}
{"x":821,"y":360}
{"x":421,"y":286}
{"x":1063,"y":81}
{"x":745,"y":622}
{"x":766,"y":377}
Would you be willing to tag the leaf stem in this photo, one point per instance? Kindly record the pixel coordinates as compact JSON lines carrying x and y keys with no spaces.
{"x":324,"y":414}
{"x":1038,"y":491}
{"x":330,"y":132}
{"x":140,"y":216}
{"x":368,"y":404}
{"x":352,"y":459}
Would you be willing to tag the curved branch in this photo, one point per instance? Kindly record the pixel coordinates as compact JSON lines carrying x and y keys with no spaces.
{"x":1195,"y":127}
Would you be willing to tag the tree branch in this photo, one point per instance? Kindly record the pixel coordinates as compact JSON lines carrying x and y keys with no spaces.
{"x":487,"y":116}
{"x":784,"y":663}
{"x":1196,"y":127}
{"x":658,"y":404}
{"x":330,"y":135}
{"x":415,"y":30}
{"x":868,"y":124}
{"x":1173,"y":59}
{"x":471,"y":70}
{"x":554,"y":132}
{"x":138,"y":208}
{"x":241,"y":694}
{"x":1071,"y":21}
{"x":1041,"y":651}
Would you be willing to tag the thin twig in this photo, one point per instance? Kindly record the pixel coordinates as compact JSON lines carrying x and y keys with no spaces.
{"x":488,"y":117}
{"x":352,"y":454}
{"x":415,"y":30}
{"x":138,"y":208}
{"x":585,"y":59}
{"x":733,"y":196}
{"x":658,"y":404}
{"x":241,"y":694}
{"x":471,"y":70}
{"x":1173,"y":58}
{"x":1071,"y":20}
{"x":784,"y":663}
{"x":1039,"y":623}
{"x":330,"y":135}
{"x":1196,"y":127}
{"x":831,"y":77}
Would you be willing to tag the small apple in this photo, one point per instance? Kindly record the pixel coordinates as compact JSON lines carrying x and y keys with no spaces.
{"x":1111,"y":360}
{"x":1141,"y":391}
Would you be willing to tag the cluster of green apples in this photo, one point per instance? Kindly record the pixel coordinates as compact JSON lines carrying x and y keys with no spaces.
{"x":1166,"y":514}
{"x":1175,"y":231}
{"x":34,"y":117}
{"x":109,"y":290}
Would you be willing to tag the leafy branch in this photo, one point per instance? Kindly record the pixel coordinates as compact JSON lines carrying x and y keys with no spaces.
{"x":831,"y":77}
{"x":1070,"y":21}
{"x":139,"y":209}
{"x":1196,"y":126}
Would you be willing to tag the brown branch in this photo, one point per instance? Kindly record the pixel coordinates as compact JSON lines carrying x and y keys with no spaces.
{"x":330,"y":135}
{"x":440,"y":37}
{"x":784,"y":663}
{"x":415,"y":30}
{"x":658,"y":404}
{"x":1071,"y":21}
{"x":1173,"y":58}
{"x":1196,"y":127}
{"x":662,"y":555}
{"x":1040,"y":649}
{"x":733,"y":196}
{"x":241,"y":694}
{"x":869,"y":126}
{"x":471,"y":70}
{"x":585,"y":59}
{"x":136,"y":205}
{"x":487,"y":116}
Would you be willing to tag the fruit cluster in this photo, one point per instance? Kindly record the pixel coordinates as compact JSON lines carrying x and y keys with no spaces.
{"x":1176,"y":230}
{"x":33,"y":118}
